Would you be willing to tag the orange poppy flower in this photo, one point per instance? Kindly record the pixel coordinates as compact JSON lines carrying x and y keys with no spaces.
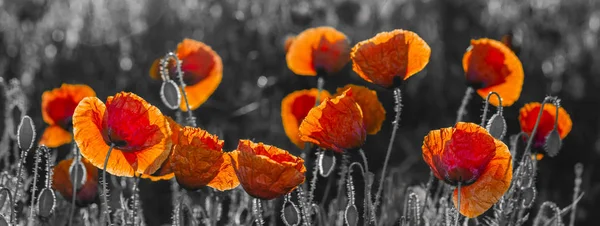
{"x":528,"y":116}
{"x":58,"y":106}
{"x":265,"y":171}
{"x":288,"y":42}
{"x":61,"y":178}
{"x":390,"y":57}
{"x":491,"y":66}
{"x":336,"y":124}
{"x":137,"y":130}
{"x":373,"y":111}
{"x":202,"y":71}
{"x":320,"y":48}
{"x":198,"y":160}
{"x":294,"y":107}
{"x":469,"y":155}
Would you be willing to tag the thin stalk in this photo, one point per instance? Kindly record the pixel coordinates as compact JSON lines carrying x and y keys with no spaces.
{"x":304,"y":208}
{"x":458,"y":206}
{"x":19,"y":175}
{"x":136,"y":201}
{"x":104,"y":189}
{"x":74,"y":191}
{"x":576,"y":190}
{"x":395,"y":123}
{"x":463,"y":106}
{"x":535,"y":128}
{"x":487,"y":103}
{"x":257,"y":210}
{"x":307,"y":146}
{"x":34,"y":185}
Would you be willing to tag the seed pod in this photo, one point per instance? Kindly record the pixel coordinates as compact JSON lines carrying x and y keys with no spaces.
{"x":169,"y":94}
{"x":46,"y":202}
{"x":528,"y":197}
{"x":553,"y":143}
{"x":351,"y":215}
{"x":290,"y":214}
{"x":26,"y":133}
{"x":497,"y":126}
{"x":326,"y":163}
{"x":80,"y":180}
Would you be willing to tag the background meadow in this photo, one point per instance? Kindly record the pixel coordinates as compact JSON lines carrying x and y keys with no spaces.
{"x":110,"y":46}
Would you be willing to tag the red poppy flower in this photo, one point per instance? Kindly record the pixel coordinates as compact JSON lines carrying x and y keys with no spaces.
{"x":389,"y":56}
{"x":321,"y":48}
{"x":372,"y":109}
{"x":491,"y":66}
{"x":138,"y":131}
{"x":198,"y":160}
{"x":295,"y":107}
{"x":265,"y":171}
{"x":528,"y":116}
{"x":58,"y":106}
{"x":469,"y":155}
{"x":202,"y":71}
{"x":61,"y":177}
{"x":336,"y":124}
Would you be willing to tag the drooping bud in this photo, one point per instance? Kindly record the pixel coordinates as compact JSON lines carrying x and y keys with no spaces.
{"x":170,"y":95}
{"x":529,"y":194}
{"x":553,"y":143}
{"x":290,"y":213}
{"x":326,"y":163}
{"x":497,"y":126}
{"x":46,"y":202}
{"x":351,"y":215}
{"x":79,"y":178}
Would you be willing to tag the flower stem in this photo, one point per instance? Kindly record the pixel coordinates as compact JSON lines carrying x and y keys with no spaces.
{"x":576,"y":190}
{"x":104,"y":189}
{"x":34,"y":185}
{"x":257,"y":210}
{"x":458,"y":206}
{"x":463,"y":106}
{"x":11,"y":202}
{"x":527,"y":153}
{"x":76,"y":177}
{"x":487,"y":103}
{"x":398,"y":110}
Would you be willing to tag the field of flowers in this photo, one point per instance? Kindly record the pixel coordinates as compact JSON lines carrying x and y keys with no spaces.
{"x":336,"y":112}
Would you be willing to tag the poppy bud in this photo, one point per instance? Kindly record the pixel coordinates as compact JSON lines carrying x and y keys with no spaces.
{"x":326,"y":163}
{"x":528,"y":197}
{"x":26,"y":133}
{"x":553,"y":143}
{"x":497,"y":126}
{"x":169,"y":94}
{"x":78,"y":178}
{"x":290,"y":214}
{"x":351,"y":215}
{"x":46,"y":202}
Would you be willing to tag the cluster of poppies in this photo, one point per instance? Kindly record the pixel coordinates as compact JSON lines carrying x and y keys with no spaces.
{"x":129,"y":137}
{"x":465,"y":154}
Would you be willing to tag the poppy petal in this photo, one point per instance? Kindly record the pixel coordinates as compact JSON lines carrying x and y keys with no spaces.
{"x":265,"y":171}
{"x":225,"y":178}
{"x":336,"y":124}
{"x":197,"y":159}
{"x":398,"y":53}
{"x":528,"y":116}
{"x":373,"y":111}
{"x":294,"y":108}
{"x":59,"y":104}
{"x":55,"y":136}
{"x":492,"y":66}
{"x":480,"y":196}
{"x":320,"y":47}
{"x":198,"y":93}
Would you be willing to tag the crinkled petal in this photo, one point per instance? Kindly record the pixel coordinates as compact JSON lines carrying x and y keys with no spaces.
{"x":55,"y":136}
{"x":321,"y":47}
{"x":373,"y":111}
{"x":294,"y":108}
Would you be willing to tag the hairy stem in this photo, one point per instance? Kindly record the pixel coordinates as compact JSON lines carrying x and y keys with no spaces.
{"x":395,"y":123}
{"x":104,"y":189}
{"x":487,"y":103}
{"x":576,"y":190}
{"x":34,"y":185}
{"x":463,"y":106}
{"x":76,"y":158}
{"x":458,"y":206}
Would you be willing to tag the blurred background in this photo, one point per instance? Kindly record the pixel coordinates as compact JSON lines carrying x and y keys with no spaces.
{"x":110,"y":45}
